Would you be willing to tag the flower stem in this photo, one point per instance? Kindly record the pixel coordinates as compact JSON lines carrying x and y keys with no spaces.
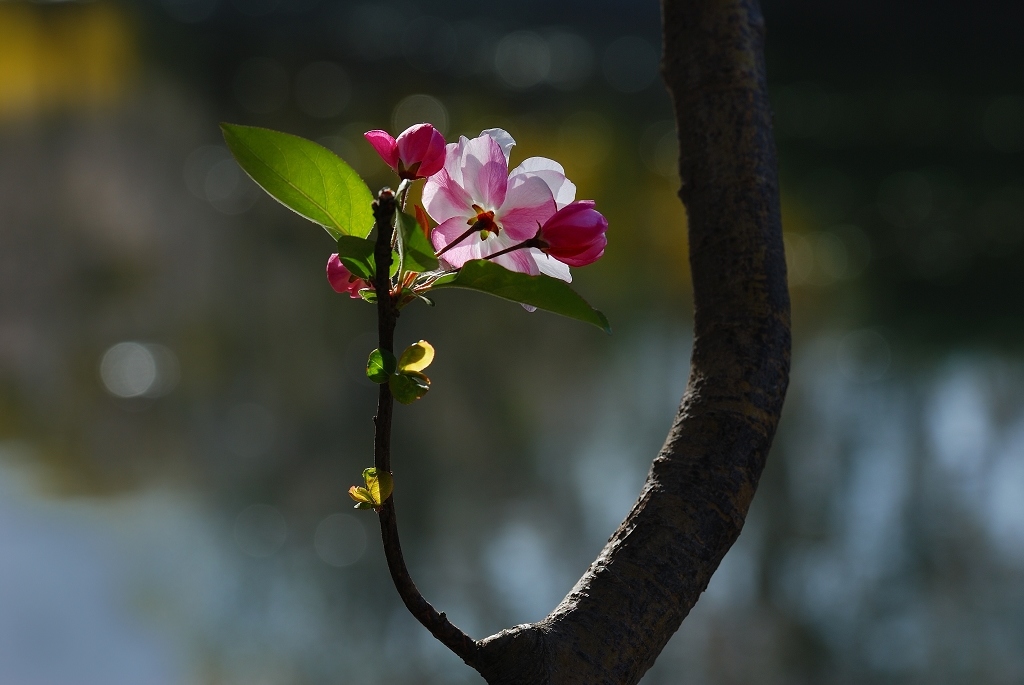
{"x":471,"y":231}
{"x":532,"y":242}
{"x":387,"y":318}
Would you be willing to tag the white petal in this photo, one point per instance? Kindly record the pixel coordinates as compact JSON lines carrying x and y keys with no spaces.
{"x":563,"y":190}
{"x":502,"y":137}
{"x":538,"y":164}
{"x":551,"y":266}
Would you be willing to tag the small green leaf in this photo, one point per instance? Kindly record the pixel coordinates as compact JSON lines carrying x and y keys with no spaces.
{"x":394,"y":265}
{"x":419,"y":253}
{"x":380,"y":484}
{"x":307,"y":178}
{"x":409,"y":387}
{"x":543,"y":292}
{"x":416,"y":357}
{"x":368,"y":294}
{"x":357,"y":256}
{"x":380,"y":366}
{"x":361,"y":495}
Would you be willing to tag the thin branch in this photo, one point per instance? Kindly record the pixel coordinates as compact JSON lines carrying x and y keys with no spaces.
{"x":387,"y":318}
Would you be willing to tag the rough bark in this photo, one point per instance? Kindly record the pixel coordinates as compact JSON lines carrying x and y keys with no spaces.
{"x":617,"y":619}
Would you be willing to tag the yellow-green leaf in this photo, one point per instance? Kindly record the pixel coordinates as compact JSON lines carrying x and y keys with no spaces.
{"x":361,"y":495}
{"x":416,"y":357}
{"x":379,"y":484}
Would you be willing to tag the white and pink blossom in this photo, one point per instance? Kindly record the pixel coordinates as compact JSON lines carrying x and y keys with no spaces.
{"x":482,"y":209}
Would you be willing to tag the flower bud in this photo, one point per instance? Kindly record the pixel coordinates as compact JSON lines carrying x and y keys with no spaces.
{"x":575,"y":234}
{"x":418,"y":152}
{"x":342,"y":280}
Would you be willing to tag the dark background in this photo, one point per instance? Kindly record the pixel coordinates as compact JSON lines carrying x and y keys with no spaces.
{"x":182,"y":405}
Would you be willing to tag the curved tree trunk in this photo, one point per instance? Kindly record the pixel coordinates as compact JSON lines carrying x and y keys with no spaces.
{"x":617,"y":619}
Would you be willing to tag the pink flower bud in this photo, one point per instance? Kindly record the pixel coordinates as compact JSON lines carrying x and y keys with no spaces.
{"x":418,"y":152}
{"x":575,"y":234}
{"x":342,"y":280}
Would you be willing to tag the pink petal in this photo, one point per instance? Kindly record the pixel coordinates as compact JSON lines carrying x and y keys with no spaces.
{"x":445,"y":199}
{"x":453,"y":159}
{"x":528,"y":203}
{"x":484,"y":171}
{"x":553,"y":174}
{"x":424,"y":145}
{"x":518,"y":260}
{"x":447,"y":231}
{"x":385,"y":146}
{"x":434,"y":157}
{"x":341,"y":279}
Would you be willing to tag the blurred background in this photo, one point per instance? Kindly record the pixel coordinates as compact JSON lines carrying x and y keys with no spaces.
{"x":182,"y":399}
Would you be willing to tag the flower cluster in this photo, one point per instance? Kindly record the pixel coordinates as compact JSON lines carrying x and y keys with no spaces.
{"x":527,"y":220}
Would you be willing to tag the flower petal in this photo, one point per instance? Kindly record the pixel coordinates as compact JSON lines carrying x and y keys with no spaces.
{"x":518,"y":260}
{"x":444,"y":198}
{"x":502,"y":137}
{"x":550,"y":266}
{"x":528,"y":203}
{"x":484,"y":171}
{"x":563,"y":190}
{"x":424,"y":145}
{"x":449,"y":231}
{"x":385,"y":146}
{"x":453,"y":158}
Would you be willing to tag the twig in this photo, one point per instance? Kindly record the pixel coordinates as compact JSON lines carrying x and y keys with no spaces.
{"x":387,"y":317}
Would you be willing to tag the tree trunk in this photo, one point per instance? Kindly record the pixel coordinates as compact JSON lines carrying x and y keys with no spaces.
{"x":617,"y":619}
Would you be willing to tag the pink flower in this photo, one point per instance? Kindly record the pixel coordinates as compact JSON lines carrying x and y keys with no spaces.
{"x":342,"y":280}
{"x":418,"y":152}
{"x":575,"y":235}
{"x":483,"y":209}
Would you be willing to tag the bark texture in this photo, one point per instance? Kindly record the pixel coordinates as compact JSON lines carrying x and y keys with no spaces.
{"x":617,"y":619}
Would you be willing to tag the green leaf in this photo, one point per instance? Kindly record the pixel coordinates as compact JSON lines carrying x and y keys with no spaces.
{"x":409,"y":387}
{"x":416,"y":357}
{"x":543,"y":292}
{"x":357,"y":256}
{"x":380,"y":484}
{"x":360,"y":495}
{"x":307,"y":178}
{"x":380,"y":366}
{"x":419,"y":253}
